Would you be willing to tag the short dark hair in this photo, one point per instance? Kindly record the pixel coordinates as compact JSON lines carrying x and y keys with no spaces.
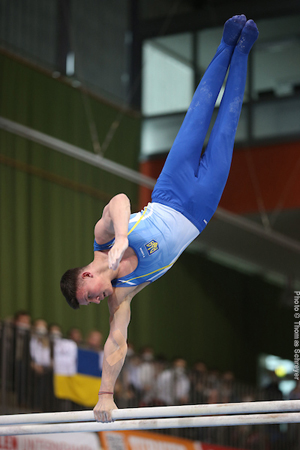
{"x":69,"y":285}
{"x":21,"y":312}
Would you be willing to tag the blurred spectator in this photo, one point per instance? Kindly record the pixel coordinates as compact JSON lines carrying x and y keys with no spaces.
{"x":131,"y":380}
{"x":127,"y":388}
{"x":55,"y":331}
{"x":212,"y":387}
{"x":39,"y":327}
{"x":146,"y":376}
{"x":295,"y":393}
{"x":198,"y":381}
{"x":271,"y":390}
{"x":160,"y":364}
{"x":54,"y":334}
{"x":22,"y":320}
{"x":173,"y":384}
{"x":130,"y":349}
{"x":94,"y":341}
{"x":20,"y":354}
{"x":40,"y":346}
{"x":125,"y":396}
{"x":147,"y":354}
{"x":75,"y":335}
{"x":213,"y":396}
{"x":213,"y":378}
{"x":227,"y":393}
{"x":40,"y":352}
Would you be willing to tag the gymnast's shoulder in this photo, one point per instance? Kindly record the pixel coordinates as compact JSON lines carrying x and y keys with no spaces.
{"x":123,"y":294}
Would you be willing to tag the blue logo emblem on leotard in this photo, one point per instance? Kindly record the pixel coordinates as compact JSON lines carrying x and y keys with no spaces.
{"x":152,"y":247}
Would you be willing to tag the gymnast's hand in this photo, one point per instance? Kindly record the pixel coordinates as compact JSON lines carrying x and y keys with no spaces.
{"x":117,"y":251}
{"x":104,"y":407}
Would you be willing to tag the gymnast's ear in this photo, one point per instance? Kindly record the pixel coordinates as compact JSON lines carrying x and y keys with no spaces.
{"x":87,"y":275}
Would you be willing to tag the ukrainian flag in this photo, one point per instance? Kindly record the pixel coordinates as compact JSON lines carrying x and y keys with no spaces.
{"x":77,"y":373}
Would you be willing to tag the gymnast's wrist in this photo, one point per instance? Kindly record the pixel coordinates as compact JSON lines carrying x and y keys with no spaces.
{"x":105,"y":393}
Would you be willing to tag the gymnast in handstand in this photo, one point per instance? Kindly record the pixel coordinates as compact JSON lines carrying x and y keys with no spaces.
{"x":133,"y":250}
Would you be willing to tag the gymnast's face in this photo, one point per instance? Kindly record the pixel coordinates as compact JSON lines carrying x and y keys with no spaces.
{"x":93,"y":288}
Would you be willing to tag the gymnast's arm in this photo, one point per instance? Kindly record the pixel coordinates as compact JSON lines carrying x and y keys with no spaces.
{"x":115,"y":349}
{"x":114,"y":224}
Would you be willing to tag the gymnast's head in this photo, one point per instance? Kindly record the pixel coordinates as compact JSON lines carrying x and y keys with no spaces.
{"x":69,"y":284}
{"x":85,"y":285}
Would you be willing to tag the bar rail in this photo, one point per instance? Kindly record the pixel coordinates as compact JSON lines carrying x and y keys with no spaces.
{"x":157,"y":412}
{"x":152,"y":424}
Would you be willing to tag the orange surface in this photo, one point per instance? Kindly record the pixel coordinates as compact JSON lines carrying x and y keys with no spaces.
{"x":267,"y":174}
{"x":143,"y":440}
{"x":136,"y":440}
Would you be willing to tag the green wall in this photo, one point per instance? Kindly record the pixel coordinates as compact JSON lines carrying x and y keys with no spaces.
{"x":49,"y":204}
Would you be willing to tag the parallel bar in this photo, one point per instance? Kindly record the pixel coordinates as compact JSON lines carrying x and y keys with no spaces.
{"x":256,"y":229}
{"x":156,"y":412}
{"x":76,"y":152}
{"x":143,"y":180}
{"x":152,"y":424}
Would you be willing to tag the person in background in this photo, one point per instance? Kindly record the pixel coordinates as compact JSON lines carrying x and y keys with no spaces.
{"x":19,"y":354}
{"x":198,"y":382}
{"x":173,"y":384}
{"x":227,"y":388}
{"x":55,"y":331}
{"x":41,"y":364}
{"x":146,"y":375}
{"x":75,"y":334}
{"x":94,"y":341}
{"x":22,"y":320}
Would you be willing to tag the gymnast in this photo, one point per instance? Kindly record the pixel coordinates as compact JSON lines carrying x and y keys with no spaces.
{"x":133,"y":250}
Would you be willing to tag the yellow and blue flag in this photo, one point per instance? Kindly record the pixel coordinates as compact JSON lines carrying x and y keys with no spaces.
{"x":77,"y":373}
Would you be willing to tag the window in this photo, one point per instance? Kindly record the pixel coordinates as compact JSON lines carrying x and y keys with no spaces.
{"x":168,"y":75}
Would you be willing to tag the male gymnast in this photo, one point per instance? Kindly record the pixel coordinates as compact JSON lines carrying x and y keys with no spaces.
{"x":133,"y":250}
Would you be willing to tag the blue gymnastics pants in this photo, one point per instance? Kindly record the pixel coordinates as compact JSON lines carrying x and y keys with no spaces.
{"x":190,"y":183}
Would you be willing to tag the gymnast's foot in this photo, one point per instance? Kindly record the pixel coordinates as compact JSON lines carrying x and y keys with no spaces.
{"x":248,"y":36}
{"x":232,"y":29}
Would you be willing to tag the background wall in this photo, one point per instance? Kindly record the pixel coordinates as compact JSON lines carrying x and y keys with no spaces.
{"x":50,"y":202}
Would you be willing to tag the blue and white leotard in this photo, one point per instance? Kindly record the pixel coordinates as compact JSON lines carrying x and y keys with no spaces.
{"x":158,"y":235}
{"x":191,"y":184}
